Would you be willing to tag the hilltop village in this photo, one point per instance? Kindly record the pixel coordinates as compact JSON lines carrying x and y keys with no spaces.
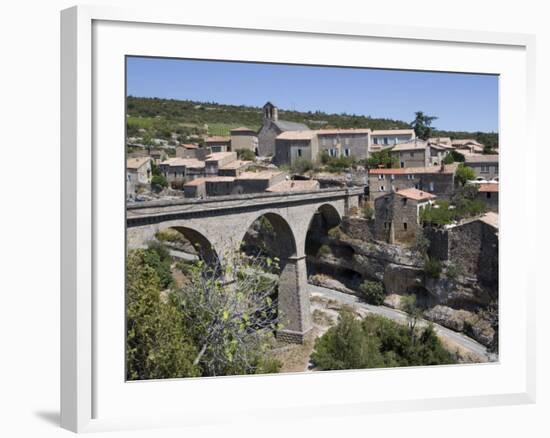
{"x":425,"y":224}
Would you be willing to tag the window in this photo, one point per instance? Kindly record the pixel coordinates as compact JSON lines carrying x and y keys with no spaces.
{"x":332,"y":152}
{"x":347,"y":152}
{"x":431,"y":186}
{"x":488,"y":195}
{"x":385,"y":140}
{"x":382,"y":188}
{"x":375,"y":140}
{"x":484,"y":169}
{"x":299,"y":152}
{"x":404,"y":201}
{"x":381,"y":176}
{"x":411,"y":154}
{"x":392,"y":177}
{"x":402,"y":164}
{"x":404,"y":225}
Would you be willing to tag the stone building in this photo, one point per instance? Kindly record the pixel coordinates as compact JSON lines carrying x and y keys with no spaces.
{"x":382,"y":138}
{"x":438,"y":180}
{"x":294,"y":186}
{"x":181,"y":170}
{"x":254,"y":182}
{"x":485,"y":166}
{"x":218,"y":143}
{"x":192,"y":150}
{"x":397,"y":215}
{"x":234,"y":168}
{"x":488,"y":193}
{"x":217,"y":160}
{"x":158,"y":155}
{"x":468,"y":144}
{"x":244,"y":138}
{"x":293,"y":145}
{"x":209,"y":186}
{"x":138,"y":173}
{"x":272,"y":127}
{"x":344,"y":142}
{"x":419,"y":153}
{"x":473,"y":246}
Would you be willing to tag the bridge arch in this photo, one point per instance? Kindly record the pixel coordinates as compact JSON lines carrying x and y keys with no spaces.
{"x":293,"y":297}
{"x":282,"y":238}
{"x":200,"y":243}
{"x":325,"y":217}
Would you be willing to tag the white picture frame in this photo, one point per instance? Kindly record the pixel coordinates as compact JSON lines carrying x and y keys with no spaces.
{"x":85,"y":396}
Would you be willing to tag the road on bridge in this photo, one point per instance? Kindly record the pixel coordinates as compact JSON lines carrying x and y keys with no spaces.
{"x":459,"y":339}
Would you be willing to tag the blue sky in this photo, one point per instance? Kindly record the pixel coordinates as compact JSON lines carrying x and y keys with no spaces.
{"x":462,"y":102}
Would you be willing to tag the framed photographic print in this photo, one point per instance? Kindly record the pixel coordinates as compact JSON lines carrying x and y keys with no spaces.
{"x":317,"y":212}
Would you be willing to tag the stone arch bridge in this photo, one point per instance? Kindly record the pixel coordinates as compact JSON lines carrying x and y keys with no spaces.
{"x":219,"y":224}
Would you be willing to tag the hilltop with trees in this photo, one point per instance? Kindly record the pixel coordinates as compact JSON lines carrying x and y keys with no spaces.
{"x":160,"y":118}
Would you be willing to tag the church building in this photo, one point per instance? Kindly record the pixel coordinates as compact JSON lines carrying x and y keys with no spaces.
{"x":272,"y":127}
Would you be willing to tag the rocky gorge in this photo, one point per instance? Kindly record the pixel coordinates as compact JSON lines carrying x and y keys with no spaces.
{"x":456,"y":297}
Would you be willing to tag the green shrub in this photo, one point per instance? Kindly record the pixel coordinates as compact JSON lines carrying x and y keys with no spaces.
{"x":157,"y":344}
{"x":246,"y":155}
{"x":324,"y":250}
{"x":345,"y":346}
{"x":336,"y":232}
{"x":158,"y":182}
{"x":368,"y":211}
{"x":269,"y":365}
{"x":421,"y":243}
{"x":301,"y":165}
{"x":376,"y":342}
{"x":464,"y":174}
{"x":158,"y":257}
{"x":453,"y":271}
{"x":373,"y":292}
{"x":432,"y":267}
{"x":170,"y":235}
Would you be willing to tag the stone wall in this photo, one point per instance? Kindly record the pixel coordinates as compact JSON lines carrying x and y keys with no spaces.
{"x":358,"y":227}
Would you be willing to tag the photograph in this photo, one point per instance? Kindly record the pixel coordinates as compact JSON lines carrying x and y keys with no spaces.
{"x":288,"y":218}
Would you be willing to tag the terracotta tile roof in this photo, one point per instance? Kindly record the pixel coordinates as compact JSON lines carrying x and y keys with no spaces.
{"x":190,"y":146}
{"x":447,"y":168}
{"x":216,"y":156}
{"x":237,"y":164}
{"x":191,"y":163}
{"x":343,"y":131}
{"x":471,"y":159}
{"x":265,"y":174}
{"x":296,"y":135}
{"x":488,"y":187}
{"x":217,"y":139}
{"x":294,"y":186}
{"x":390,"y":132}
{"x":413,"y":145}
{"x":490,"y":218}
{"x":135,"y":163}
{"x":415,"y":194}
{"x":440,"y":140}
{"x":200,"y":181}
{"x":464,"y":142}
{"x":243,"y":129}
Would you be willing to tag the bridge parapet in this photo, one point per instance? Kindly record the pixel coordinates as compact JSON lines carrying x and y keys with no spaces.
{"x":152,"y":211}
